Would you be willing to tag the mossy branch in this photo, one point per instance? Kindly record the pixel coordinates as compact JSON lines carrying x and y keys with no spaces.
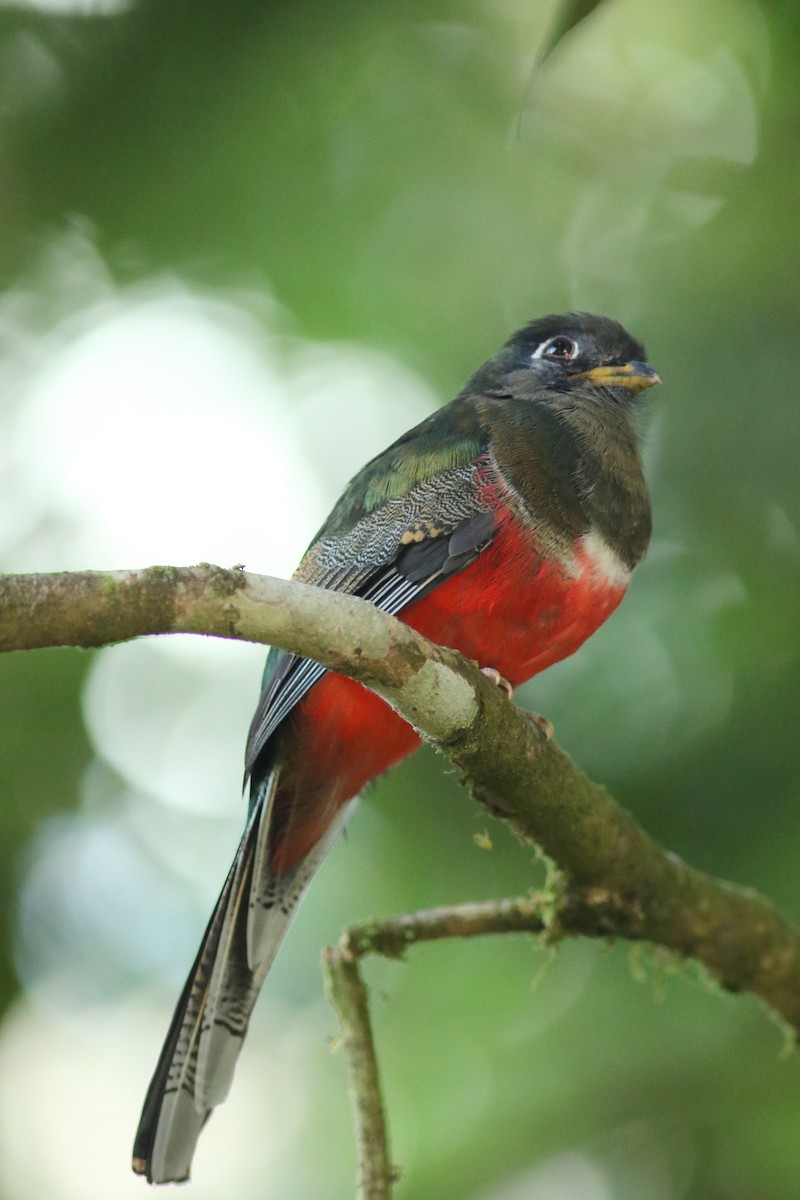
{"x":616,"y":880}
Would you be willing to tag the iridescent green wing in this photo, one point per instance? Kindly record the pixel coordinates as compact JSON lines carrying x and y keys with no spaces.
{"x":411,"y":517}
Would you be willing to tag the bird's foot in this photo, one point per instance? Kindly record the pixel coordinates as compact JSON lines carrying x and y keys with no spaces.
{"x":498,"y":680}
{"x":544,"y":726}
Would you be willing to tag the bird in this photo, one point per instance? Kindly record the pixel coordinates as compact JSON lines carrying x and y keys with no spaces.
{"x":506,"y":526}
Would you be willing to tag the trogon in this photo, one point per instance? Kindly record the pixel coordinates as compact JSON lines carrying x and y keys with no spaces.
{"x":506,"y":526}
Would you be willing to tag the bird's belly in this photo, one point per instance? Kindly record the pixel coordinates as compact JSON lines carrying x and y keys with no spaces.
{"x":512,"y":609}
{"x":520,"y":611}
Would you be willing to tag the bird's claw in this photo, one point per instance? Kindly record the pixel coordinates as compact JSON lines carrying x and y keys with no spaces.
{"x":497,"y":679}
{"x":544,"y":726}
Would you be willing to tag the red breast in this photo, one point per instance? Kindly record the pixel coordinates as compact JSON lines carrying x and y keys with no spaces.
{"x":515,"y":609}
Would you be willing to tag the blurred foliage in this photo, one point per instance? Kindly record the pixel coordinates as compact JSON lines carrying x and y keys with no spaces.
{"x":417,"y":179}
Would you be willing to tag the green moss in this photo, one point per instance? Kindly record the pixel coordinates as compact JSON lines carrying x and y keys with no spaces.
{"x":223,"y":581}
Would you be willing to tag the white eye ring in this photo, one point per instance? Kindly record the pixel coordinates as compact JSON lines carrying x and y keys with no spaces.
{"x":561,"y":348}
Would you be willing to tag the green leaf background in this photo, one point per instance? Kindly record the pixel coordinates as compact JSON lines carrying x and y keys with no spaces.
{"x":352,"y":205}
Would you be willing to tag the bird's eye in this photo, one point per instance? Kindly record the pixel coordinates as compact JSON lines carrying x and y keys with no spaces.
{"x":560,"y":347}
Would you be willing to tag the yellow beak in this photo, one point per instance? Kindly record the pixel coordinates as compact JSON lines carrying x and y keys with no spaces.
{"x":636,"y":376}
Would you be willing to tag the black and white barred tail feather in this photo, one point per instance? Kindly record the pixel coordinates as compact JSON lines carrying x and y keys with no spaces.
{"x":197,"y":1062}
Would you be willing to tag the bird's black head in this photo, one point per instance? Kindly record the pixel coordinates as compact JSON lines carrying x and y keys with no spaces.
{"x":557,"y":353}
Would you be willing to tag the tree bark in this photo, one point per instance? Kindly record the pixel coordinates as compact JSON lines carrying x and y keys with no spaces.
{"x":612,"y":880}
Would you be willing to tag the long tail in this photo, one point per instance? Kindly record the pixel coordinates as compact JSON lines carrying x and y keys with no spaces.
{"x":197,"y":1060}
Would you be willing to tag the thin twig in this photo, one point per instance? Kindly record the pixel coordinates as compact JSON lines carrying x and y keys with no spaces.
{"x":348,"y":996}
{"x":390,"y":937}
